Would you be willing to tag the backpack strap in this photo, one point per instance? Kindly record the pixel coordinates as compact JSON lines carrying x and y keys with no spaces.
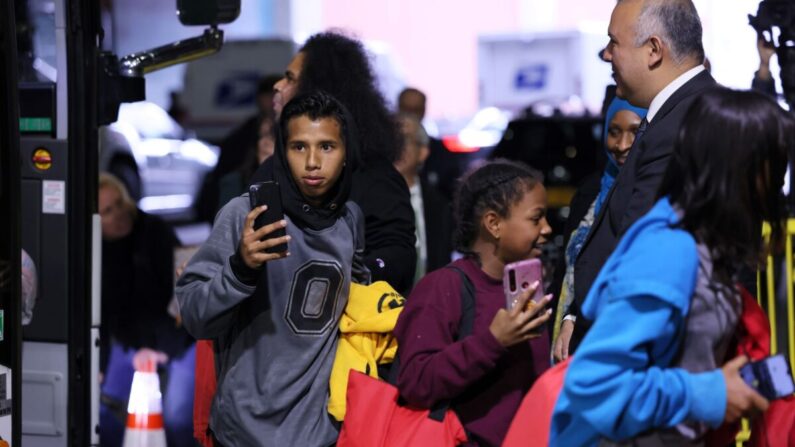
{"x":464,"y":329}
{"x":464,"y":325}
{"x":359,"y":271}
{"x":467,"y":304}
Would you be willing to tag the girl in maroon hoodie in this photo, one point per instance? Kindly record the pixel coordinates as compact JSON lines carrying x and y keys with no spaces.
{"x":500,"y":212}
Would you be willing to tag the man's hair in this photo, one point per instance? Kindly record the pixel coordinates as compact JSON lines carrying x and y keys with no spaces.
{"x":409,"y":91}
{"x":676,"y":22}
{"x":315,"y":105}
{"x":420,"y":135}
{"x":339,"y":65}
{"x":107,"y":180}
{"x":728,"y":165}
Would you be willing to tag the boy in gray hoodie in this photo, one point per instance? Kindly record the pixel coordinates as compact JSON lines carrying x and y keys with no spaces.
{"x":274,"y":316}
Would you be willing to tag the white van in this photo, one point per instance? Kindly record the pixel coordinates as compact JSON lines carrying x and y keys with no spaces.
{"x":219,"y":91}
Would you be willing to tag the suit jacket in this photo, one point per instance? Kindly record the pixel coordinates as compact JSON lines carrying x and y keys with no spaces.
{"x":587,"y":192}
{"x":634,"y":191}
{"x":438,"y":226}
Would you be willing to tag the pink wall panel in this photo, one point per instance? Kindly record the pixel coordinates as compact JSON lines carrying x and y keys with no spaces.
{"x":434,"y":41}
{"x":571,"y":13}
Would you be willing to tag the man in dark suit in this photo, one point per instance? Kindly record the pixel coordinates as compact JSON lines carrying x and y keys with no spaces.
{"x":657,"y":57}
{"x":433,"y":217}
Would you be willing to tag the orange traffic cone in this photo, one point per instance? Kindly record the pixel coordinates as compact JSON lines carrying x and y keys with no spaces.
{"x":145,"y":411}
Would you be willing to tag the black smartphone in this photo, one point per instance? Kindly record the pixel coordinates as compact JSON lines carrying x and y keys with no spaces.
{"x":267,"y":193}
{"x":771,"y":377}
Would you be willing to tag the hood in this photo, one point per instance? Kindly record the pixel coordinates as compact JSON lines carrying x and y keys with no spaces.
{"x":295,"y":205}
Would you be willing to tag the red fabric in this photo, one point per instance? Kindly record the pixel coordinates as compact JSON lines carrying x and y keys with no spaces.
{"x":776,"y":428}
{"x":753,"y":331}
{"x":373,"y":418}
{"x":534,"y":417}
{"x":203,"y":392}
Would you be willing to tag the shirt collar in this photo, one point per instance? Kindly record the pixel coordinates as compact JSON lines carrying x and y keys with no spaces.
{"x":416,"y":189}
{"x":670,"y":89}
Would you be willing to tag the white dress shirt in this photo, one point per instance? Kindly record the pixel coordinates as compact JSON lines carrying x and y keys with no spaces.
{"x":670,"y":89}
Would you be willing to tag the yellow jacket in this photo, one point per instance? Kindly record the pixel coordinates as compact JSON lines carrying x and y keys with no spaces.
{"x":366,"y":339}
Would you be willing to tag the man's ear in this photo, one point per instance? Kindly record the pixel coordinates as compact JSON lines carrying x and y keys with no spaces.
{"x":656,"y":50}
{"x":492,"y":222}
{"x":425,"y":151}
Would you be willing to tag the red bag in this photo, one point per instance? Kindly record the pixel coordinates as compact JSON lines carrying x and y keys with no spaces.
{"x":374,"y":418}
{"x":530,"y":425}
{"x":775,"y":428}
{"x":203,"y":392}
{"x":753,"y":341}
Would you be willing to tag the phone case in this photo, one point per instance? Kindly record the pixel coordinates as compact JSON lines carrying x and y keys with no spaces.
{"x":771,"y":377}
{"x":267,"y":193}
{"x":518,"y":276}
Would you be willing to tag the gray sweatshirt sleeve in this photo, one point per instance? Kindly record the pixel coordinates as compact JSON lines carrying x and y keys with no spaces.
{"x":208,"y":291}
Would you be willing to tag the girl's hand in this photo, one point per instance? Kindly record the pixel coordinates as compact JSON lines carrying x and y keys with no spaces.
{"x":253,"y":243}
{"x":741,"y":399}
{"x":560,"y":347}
{"x":519,"y":324}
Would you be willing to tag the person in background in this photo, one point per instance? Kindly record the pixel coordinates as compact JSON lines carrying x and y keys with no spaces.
{"x":236,"y":182}
{"x":621,"y":123}
{"x":500,"y":212}
{"x":432,"y":215}
{"x":29,"y":284}
{"x":411,"y":101}
{"x":339,"y":65}
{"x":666,"y":375}
{"x":30,"y":287}
{"x":441,"y":168}
{"x":137,"y":286}
{"x":763,"y":78}
{"x":236,"y":148}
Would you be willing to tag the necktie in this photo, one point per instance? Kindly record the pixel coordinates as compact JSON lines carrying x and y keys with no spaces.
{"x":641,"y":129}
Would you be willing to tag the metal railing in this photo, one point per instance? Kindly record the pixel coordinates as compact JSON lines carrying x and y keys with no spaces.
{"x":768,"y":292}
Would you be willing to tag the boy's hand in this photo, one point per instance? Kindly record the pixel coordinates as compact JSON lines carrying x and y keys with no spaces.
{"x":519,"y":324}
{"x":253,"y":243}
{"x":741,"y":399}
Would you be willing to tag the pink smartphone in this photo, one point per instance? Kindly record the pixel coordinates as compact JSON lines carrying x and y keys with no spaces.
{"x":518,"y":277}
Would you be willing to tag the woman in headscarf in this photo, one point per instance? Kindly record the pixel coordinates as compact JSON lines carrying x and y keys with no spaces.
{"x":621,"y":123}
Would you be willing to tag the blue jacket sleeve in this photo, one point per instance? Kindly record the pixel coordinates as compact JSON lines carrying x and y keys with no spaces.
{"x":612,"y":387}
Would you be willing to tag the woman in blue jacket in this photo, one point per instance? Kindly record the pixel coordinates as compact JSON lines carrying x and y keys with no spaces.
{"x":653,"y":369}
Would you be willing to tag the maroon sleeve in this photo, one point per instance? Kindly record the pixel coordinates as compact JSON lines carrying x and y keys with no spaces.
{"x":433,"y":366}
